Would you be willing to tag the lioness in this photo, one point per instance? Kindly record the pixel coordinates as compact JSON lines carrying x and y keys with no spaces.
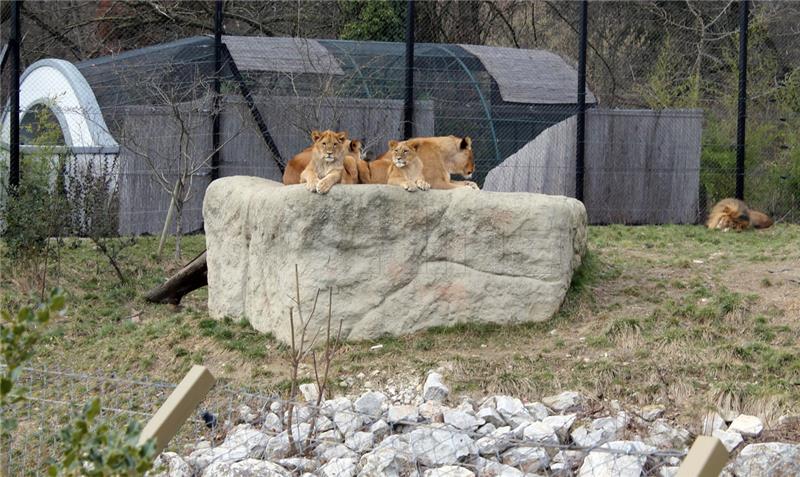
{"x":326,"y":166}
{"x":441,"y":156}
{"x":406,"y":168}
{"x":295,"y":167}
{"x":734,"y":214}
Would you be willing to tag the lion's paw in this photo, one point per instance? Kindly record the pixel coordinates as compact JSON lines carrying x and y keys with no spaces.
{"x":324,"y":186}
{"x":472,"y":185}
{"x":311,"y":187}
{"x":409,"y":186}
{"x":422,"y":185}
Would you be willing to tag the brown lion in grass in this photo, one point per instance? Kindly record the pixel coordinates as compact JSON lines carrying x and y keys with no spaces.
{"x":734,"y":214}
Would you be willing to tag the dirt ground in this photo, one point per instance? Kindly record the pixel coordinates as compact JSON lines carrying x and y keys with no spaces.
{"x":678,"y":315}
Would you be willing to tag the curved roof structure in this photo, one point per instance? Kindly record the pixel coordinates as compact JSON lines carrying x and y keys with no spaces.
{"x":59,"y":85}
{"x":368,"y":69}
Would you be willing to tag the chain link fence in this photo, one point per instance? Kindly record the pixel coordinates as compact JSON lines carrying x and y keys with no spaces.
{"x":136,"y":86}
{"x":243,"y":429}
{"x":233,"y":425}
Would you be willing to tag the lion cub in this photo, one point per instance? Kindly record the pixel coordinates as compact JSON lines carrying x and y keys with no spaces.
{"x":406,"y":168}
{"x":352,"y":161}
{"x":326,"y":166}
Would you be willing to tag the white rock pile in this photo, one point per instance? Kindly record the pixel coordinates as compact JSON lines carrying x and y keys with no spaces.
{"x":375,"y":435}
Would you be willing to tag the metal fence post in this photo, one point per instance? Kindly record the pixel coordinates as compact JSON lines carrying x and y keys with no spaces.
{"x":744,"y":10}
{"x":13,"y":43}
{"x":178,"y":407}
{"x":408,"y":107}
{"x":706,"y":458}
{"x":215,"y":136}
{"x":581,"y":126}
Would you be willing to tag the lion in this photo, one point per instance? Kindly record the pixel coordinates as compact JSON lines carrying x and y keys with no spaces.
{"x":295,"y":167}
{"x":326,"y":166}
{"x":441,"y":156}
{"x":406,"y":169}
{"x":734,"y":214}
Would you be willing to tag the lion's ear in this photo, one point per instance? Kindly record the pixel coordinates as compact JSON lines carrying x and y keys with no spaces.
{"x":393,"y":144}
{"x":355,"y":145}
{"x":466,"y":143}
{"x":342,"y":136}
{"x":315,"y":135}
{"x":414,"y":147}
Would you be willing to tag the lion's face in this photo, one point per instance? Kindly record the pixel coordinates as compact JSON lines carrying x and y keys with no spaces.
{"x":731,"y":214}
{"x":402,"y":153}
{"x":355,"y":148}
{"x":329,"y":145}
{"x":465,"y":160}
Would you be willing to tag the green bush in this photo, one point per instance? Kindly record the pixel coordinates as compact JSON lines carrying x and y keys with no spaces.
{"x":19,"y":333}
{"x":91,"y":446}
{"x":95,"y":449}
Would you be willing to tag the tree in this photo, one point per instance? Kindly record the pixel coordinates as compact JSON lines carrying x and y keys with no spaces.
{"x":373,"y":20}
{"x":174,"y":164}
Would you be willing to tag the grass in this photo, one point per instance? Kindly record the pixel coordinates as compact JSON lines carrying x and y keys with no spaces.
{"x":679,"y":315}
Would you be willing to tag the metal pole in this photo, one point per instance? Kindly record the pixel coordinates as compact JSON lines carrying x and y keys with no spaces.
{"x":408,"y":109}
{"x":744,"y":10}
{"x":13,"y":176}
{"x":215,"y":136}
{"x":581,"y":127}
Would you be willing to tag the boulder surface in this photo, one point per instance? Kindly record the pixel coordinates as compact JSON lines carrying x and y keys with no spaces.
{"x":397,"y":262}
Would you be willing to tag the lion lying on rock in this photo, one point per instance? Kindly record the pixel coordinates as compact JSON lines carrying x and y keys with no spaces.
{"x":440,"y":156}
{"x":406,"y":168}
{"x":299,"y":162}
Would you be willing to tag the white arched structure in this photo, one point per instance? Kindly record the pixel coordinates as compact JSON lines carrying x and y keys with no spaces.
{"x":59,"y":85}
{"x":90,"y":148}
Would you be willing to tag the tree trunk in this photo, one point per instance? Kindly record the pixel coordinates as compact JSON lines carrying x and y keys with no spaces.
{"x":189,"y":278}
{"x":178,"y":228}
{"x":167,"y":221}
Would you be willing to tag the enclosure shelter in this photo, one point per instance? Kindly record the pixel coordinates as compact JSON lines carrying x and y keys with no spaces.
{"x":157,"y":103}
{"x":502,"y":97}
{"x":55,"y":92}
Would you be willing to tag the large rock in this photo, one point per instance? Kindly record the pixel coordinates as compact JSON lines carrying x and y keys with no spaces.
{"x":618,"y":458}
{"x":393,"y":457}
{"x":770,"y":459}
{"x":398,"y":262}
{"x":433,"y":447}
{"x":246,"y":468}
{"x":748,"y":426}
{"x":170,"y":464}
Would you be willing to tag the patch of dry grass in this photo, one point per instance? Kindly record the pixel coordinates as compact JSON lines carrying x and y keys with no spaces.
{"x":677,"y":315}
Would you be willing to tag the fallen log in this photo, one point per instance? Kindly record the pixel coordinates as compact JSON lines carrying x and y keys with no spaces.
{"x":188,"y":279}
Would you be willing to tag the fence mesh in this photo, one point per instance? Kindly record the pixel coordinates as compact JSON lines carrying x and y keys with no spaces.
{"x":662,"y":78}
{"x":118,"y":119}
{"x":232,"y":425}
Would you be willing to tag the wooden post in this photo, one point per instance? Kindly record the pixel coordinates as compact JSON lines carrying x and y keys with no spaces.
{"x":178,"y":407}
{"x":706,"y":458}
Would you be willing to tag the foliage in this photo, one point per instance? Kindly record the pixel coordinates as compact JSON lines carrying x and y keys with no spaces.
{"x":35,"y":212}
{"x":19,"y":333}
{"x":772,"y":157}
{"x":666,"y":87}
{"x":94,"y":448}
{"x":95,"y":200}
{"x":59,"y":195}
{"x":374,"y":20}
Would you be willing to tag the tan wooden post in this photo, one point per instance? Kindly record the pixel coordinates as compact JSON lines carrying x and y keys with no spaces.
{"x":706,"y":458}
{"x":178,"y":407}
